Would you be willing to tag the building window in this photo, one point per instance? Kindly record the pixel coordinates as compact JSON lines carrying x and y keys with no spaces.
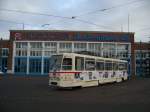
{"x":21,"y":52}
{"x":21,"y":45}
{"x":91,"y":46}
{"x":5,"y":51}
{"x":123,"y":51}
{"x":3,"y":64}
{"x":65,"y":47}
{"x":80,"y":47}
{"x":47,"y":53}
{"x":35,"y":65}
{"x":95,"y":47}
{"x":20,"y":65}
{"x":36,"y":45}
{"x":50,"y":48}
{"x":109,"y":50}
{"x":51,"y":45}
{"x":35,"y":53}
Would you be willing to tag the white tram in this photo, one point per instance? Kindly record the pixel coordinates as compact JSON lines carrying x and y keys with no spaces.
{"x":78,"y":70}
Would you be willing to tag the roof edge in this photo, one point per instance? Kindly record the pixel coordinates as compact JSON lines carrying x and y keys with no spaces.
{"x":86,"y":31}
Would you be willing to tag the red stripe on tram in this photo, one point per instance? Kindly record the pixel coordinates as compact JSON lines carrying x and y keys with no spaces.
{"x":64,"y":72}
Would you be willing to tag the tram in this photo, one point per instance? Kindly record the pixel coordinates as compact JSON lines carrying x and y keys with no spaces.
{"x":80,"y":70}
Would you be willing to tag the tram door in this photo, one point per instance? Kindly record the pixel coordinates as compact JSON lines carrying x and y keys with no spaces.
{"x":107,"y":76}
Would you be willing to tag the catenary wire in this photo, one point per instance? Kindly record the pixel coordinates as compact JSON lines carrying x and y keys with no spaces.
{"x":109,"y":8}
{"x":73,"y":17}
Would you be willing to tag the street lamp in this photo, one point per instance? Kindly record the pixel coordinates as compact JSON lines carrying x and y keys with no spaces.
{"x":45,"y":25}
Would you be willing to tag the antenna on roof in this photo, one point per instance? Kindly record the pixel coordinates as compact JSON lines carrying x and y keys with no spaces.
{"x":23,"y":26}
{"x":128,"y":22}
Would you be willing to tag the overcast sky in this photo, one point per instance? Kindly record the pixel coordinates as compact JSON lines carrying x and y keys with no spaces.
{"x":113,"y":19}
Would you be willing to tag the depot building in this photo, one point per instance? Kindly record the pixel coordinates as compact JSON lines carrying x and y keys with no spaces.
{"x":142,"y":59}
{"x":30,"y":50}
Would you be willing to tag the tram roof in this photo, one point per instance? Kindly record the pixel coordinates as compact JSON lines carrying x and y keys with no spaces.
{"x":90,"y":56}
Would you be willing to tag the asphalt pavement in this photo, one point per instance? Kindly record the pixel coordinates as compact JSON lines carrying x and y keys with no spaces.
{"x":19,"y":94}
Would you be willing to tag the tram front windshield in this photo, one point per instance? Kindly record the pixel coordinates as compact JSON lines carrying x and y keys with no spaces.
{"x":55,"y":62}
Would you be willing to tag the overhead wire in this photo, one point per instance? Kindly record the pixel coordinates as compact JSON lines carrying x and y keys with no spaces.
{"x":101,"y":10}
{"x":73,"y":17}
{"x":144,"y":29}
{"x":109,"y":8}
{"x":14,"y":22}
{"x":8,"y":21}
{"x":34,"y":13}
{"x":43,"y":14}
{"x":97,"y":25}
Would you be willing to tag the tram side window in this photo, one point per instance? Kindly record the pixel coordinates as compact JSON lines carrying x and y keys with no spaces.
{"x":99,"y":65}
{"x":126,"y":66}
{"x":79,"y":63}
{"x":115,"y":65}
{"x":89,"y":64}
{"x":67,"y":64}
{"x":122,"y":66}
{"x":108,"y":65}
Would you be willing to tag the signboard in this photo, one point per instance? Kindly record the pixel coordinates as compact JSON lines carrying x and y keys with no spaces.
{"x":18,"y":36}
{"x":72,"y":36}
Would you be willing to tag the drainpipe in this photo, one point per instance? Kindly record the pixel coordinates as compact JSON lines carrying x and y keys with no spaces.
{"x":140,"y":58}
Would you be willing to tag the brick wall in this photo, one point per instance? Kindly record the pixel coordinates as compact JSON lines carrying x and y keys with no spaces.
{"x":8,"y":44}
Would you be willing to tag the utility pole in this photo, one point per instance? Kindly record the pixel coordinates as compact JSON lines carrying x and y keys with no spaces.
{"x":121,"y":28}
{"x":128,"y":22}
{"x":0,"y":57}
{"x":140,"y":58}
{"x":23,"y":26}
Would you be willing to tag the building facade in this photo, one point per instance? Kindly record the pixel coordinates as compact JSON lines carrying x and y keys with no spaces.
{"x":142,"y":53}
{"x":4,"y":54}
{"x":31,"y":49}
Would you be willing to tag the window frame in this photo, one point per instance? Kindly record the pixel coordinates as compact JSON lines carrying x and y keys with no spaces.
{"x":125,"y":66}
{"x":100,"y":61}
{"x":90,"y":60}
{"x":71,"y":65}
{"x":108,"y":67}
{"x":115,"y":68}
{"x":82,"y":64}
{"x":5,"y":52}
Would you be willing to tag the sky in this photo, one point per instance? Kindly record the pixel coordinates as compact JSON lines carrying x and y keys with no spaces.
{"x":88,"y":15}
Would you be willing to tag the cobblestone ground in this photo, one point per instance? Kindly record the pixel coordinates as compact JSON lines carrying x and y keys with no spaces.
{"x":34,"y":95}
